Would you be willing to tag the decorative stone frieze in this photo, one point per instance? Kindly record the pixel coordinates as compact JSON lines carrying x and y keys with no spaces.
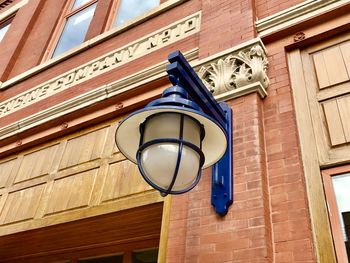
{"x":235,"y":72}
{"x":143,"y":46}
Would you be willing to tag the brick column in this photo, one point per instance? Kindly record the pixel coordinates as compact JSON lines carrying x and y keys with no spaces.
{"x":244,"y":234}
{"x":225,"y":23}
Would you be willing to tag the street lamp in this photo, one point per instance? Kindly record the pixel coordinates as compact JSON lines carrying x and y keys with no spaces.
{"x":177,"y":135}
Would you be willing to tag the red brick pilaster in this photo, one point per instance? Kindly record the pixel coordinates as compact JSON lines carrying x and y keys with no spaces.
{"x":244,"y":234}
{"x":225,"y":23}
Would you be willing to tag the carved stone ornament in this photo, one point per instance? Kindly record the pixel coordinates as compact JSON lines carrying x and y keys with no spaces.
{"x":236,"y":70}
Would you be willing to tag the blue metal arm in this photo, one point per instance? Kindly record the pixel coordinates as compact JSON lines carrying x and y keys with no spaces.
{"x":181,"y":73}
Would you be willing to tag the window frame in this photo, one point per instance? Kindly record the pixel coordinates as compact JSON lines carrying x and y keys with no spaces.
{"x":66,"y":13}
{"x":333,"y":213}
{"x":107,"y":29}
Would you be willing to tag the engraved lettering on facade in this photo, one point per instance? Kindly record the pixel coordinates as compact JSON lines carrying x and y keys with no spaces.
{"x":166,"y":35}
{"x":103,"y":64}
{"x":152,"y":42}
{"x":132,"y":49}
{"x":190,"y":25}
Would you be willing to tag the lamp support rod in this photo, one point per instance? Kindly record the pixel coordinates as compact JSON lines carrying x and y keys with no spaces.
{"x":181,"y":73}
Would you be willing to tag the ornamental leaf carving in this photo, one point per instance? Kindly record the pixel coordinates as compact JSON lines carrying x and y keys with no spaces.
{"x":235,"y":71}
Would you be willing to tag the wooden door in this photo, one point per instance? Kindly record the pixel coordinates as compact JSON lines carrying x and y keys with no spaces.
{"x":320,"y":80}
{"x":326,"y":69}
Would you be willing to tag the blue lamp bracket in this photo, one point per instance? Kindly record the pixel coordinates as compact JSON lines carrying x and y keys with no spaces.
{"x":182,"y":74}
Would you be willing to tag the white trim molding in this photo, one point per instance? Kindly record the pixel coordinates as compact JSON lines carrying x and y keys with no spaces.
{"x":246,"y":74}
{"x":12,"y":10}
{"x":296,"y":14}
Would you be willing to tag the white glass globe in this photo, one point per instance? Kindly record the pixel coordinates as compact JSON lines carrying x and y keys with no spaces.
{"x":159,"y":160}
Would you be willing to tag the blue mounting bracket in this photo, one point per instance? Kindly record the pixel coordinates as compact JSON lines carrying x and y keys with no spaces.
{"x":181,"y":73}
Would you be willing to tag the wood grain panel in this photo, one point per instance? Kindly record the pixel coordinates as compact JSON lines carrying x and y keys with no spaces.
{"x":84,"y":148}
{"x":335,"y":127}
{"x":36,"y":164}
{"x":5,"y":171}
{"x":330,"y":66}
{"x":345,"y":50}
{"x":71,"y":192}
{"x":344,"y":111}
{"x":66,"y":180}
{"x":21,"y":205}
{"x":321,"y":71}
{"x":123,"y":179}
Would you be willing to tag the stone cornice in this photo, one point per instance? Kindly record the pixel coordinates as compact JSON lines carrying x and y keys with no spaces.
{"x":296,"y":14}
{"x":245,"y":74}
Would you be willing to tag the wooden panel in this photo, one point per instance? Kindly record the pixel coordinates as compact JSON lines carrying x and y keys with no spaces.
{"x":66,"y":180}
{"x":71,"y":192}
{"x":321,"y":71}
{"x":21,"y":205}
{"x":5,"y":171}
{"x":302,"y":86}
{"x":344,"y":111}
{"x":36,"y":164}
{"x":330,"y":67}
{"x":123,"y":179}
{"x":334,"y":123}
{"x":345,"y":50}
{"x":84,"y":148}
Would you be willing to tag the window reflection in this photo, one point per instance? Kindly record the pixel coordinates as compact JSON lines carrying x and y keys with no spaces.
{"x":4,"y":27}
{"x":341,"y":184}
{"x":75,"y":30}
{"x":79,"y":3}
{"x":130,"y":9}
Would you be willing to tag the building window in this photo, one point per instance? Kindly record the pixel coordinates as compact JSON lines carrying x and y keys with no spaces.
{"x":4,"y":27}
{"x":129,"y":9}
{"x":77,"y":22}
{"x":337,"y":185}
{"x":79,"y":17}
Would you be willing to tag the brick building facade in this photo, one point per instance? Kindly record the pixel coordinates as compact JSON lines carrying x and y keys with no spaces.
{"x":68,"y":195}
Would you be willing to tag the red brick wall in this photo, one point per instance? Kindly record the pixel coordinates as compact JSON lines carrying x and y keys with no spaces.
{"x":244,"y":234}
{"x":266,"y":8}
{"x":225,"y":23}
{"x":290,"y":218}
{"x":269,"y":220}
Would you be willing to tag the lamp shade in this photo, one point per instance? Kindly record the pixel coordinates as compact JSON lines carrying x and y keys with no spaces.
{"x":127,"y":136}
{"x":171,"y":140}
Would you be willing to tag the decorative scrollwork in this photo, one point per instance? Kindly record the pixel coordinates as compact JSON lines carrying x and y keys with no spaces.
{"x":235,"y":71}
